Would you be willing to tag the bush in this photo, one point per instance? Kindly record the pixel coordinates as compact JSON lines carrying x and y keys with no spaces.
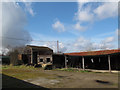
{"x":37,"y":65}
{"x":19,"y":62}
{"x":5,"y":60}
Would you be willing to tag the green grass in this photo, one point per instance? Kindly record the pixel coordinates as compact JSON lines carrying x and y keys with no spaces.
{"x":18,"y":67}
{"x":66,"y":69}
{"x":72,"y":70}
{"x":4,"y":67}
{"x":29,"y":72}
{"x":85,"y":71}
{"x":23,"y":72}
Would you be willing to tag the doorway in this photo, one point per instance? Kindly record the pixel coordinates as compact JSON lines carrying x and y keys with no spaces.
{"x":34,"y":57}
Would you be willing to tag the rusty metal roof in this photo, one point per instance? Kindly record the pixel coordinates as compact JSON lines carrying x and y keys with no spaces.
{"x":93,"y":53}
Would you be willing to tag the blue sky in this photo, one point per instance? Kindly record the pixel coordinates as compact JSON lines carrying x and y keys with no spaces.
{"x":47,"y":13}
{"x":45,"y":16}
{"x":82,"y":26}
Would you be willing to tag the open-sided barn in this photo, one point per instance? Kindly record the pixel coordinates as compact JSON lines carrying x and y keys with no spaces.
{"x":103,"y":59}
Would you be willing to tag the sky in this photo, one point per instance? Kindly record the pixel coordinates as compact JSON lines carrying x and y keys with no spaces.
{"x":78,"y":26}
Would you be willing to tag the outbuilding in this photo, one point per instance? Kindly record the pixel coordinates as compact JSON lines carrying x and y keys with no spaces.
{"x":103,"y":59}
{"x":37,"y":55}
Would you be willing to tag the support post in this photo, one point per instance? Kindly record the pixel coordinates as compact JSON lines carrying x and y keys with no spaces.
{"x":31,"y":56}
{"x":99,"y":59}
{"x":83,"y":63}
{"x":109,"y":63}
{"x":65,"y":61}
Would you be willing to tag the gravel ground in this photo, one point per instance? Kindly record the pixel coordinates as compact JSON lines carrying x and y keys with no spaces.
{"x":64,"y":79}
{"x":24,"y":77}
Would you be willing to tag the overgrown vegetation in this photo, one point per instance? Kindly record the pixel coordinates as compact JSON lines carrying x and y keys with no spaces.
{"x":23,"y":72}
{"x":72,"y":70}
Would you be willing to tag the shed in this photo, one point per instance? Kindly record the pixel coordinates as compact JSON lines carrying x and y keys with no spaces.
{"x":39,"y":54}
{"x":103,"y":59}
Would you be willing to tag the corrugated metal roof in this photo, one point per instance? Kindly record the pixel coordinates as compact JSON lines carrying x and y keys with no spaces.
{"x":93,"y":53}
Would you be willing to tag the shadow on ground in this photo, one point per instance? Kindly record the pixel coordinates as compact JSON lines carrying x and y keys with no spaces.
{"x":103,"y":82}
{"x":11,"y":82}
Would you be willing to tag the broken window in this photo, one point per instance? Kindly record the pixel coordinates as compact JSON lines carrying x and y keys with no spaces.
{"x":92,"y":61}
{"x":41,"y":60}
{"x":48,"y":59}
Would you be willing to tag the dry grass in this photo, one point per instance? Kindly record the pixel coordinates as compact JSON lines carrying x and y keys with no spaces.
{"x":23,"y":72}
{"x":69,"y":78}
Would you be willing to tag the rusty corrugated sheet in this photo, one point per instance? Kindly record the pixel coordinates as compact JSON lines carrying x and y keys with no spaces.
{"x":93,"y":53}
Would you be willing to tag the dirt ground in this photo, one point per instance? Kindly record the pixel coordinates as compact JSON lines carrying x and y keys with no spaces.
{"x":64,"y":79}
{"x":67,"y":79}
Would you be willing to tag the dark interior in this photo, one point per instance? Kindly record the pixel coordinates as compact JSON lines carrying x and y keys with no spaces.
{"x":35,"y":57}
{"x":58,"y":61}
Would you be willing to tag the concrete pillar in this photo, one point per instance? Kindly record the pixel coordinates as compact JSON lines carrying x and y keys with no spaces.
{"x":83,"y":63}
{"x":109,"y":63}
{"x":99,"y":59}
{"x":65,"y":61}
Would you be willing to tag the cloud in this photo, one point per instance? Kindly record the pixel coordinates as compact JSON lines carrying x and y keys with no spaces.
{"x":28,"y":8}
{"x":108,"y":39}
{"x":13,"y":23}
{"x":62,"y":47}
{"x":50,"y":41}
{"x":89,"y":12}
{"x":84,"y":44}
{"x":79,"y":27}
{"x":58,"y":26}
{"x":80,"y":44}
{"x":107,"y":43}
{"x":50,"y":44}
{"x":106,"y":10}
{"x":87,"y":44}
{"x":4,"y":51}
{"x":84,"y":14}
{"x":107,"y":34}
{"x":118,"y":32}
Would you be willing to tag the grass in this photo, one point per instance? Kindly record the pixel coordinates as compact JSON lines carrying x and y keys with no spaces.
{"x":23,"y":72}
{"x":68,"y":69}
{"x":72,"y":70}
{"x":82,"y":71}
{"x":85,"y":71}
{"x":18,"y":67}
{"x":66,"y":79}
{"x":28,"y":72}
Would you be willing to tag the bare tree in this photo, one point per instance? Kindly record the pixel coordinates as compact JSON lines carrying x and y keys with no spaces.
{"x":14,"y":57}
